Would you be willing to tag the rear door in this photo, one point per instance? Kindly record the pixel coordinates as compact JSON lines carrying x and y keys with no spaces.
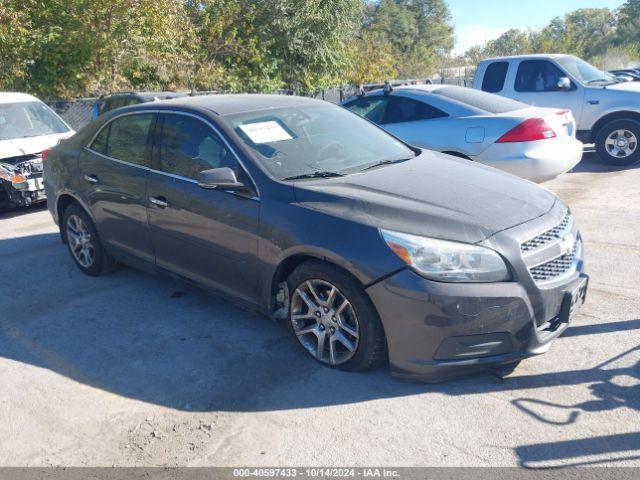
{"x":206,"y":235}
{"x":114,"y":170}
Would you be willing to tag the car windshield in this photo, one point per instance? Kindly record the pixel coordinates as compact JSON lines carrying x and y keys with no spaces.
{"x":315,"y":141}
{"x":585,"y":72}
{"x":28,"y":119}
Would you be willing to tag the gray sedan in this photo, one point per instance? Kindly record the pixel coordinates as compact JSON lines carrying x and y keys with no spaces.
{"x":534,"y":143}
{"x":366,"y":248}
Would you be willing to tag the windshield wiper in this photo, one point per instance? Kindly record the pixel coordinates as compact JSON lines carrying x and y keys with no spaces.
{"x":385,"y":162}
{"x":314,"y":175}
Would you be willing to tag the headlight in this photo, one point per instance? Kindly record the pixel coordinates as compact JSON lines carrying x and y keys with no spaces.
{"x":445,"y":261}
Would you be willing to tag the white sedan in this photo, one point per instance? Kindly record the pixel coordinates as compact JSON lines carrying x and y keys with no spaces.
{"x":28,"y":128}
{"x":534,"y":143}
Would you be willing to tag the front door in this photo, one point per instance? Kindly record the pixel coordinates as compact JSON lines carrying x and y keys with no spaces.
{"x":536,"y":83}
{"x":205,"y":235}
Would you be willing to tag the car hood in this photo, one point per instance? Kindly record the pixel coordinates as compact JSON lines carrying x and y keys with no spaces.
{"x":434,"y":195}
{"x":631,"y":87}
{"x":16,"y":147}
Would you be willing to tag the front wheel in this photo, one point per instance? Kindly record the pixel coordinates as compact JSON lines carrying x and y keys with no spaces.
{"x":333,"y":319}
{"x":617,"y":142}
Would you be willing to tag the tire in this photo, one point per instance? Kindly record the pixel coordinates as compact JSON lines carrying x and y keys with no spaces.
{"x":609,"y":151}
{"x":78,"y":225}
{"x":336,"y":322}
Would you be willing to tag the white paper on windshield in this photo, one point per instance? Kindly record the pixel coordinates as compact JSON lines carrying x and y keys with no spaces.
{"x":265,"y":132}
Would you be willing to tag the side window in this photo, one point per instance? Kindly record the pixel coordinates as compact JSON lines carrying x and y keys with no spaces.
{"x":494,"y":77}
{"x":407,"y":110}
{"x":537,"y":76}
{"x":189,"y":146}
{"x":100,"y":142}
{"x":128,"y":138}
{"x":371,"y":108}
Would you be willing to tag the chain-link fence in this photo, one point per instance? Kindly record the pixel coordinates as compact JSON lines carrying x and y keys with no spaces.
{"x":76,"y":113}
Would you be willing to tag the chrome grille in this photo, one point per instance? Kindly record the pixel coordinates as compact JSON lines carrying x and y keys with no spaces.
{"x":557,"y":267}
{"x":549,"y":236}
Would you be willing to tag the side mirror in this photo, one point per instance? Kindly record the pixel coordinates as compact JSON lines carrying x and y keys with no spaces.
{"x":221,"y":179}
{"x":564,"y":83}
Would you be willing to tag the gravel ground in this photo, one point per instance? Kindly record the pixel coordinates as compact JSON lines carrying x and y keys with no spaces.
{"x":132,"y":369}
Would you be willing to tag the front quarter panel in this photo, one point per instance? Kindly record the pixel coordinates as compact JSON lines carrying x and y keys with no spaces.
{"x":290,"y":229}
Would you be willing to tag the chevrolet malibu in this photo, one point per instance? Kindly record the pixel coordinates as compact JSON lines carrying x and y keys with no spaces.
{"x":366,"y":248}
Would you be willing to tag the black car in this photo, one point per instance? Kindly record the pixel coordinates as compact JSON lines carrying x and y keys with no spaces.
{"x":629,"y":74}
{"x":365,"y":247}
{"x":125,"y":99}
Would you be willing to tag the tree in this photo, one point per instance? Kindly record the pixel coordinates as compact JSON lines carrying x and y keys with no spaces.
{"x":14,"y":30}
{"x":511,"y":42}
{"x":628,"y":28}
{"x":309,"y":39}
{"x":418,"y":31}
{"x":372,"y":59}
{"x":230,"y":55}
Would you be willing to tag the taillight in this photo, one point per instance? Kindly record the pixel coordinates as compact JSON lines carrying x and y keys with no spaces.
{"x":528,"y":131}
{"x":45,"y":153}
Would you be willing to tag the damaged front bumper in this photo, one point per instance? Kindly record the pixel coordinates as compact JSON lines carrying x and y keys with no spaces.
{"x":21,"y":182}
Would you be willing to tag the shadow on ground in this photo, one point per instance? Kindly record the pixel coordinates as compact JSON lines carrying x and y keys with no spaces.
{"x":591,"y":163}
{"x":160,"y":341}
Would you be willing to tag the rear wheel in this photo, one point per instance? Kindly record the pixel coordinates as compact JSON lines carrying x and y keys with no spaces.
{"x":617,"y":142}
{"x":84,"y":242}
{"x":333,"y":319}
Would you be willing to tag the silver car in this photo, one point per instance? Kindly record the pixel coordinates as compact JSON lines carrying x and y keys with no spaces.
{"x":534,"y":143}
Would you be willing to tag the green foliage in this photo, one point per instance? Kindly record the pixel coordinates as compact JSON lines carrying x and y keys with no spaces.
{"x":596,"y":34}
{"x":418,"y":32}
{"x":69,"y":48}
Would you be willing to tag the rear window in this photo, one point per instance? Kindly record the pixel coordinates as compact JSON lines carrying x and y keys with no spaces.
{"x":487,"y":102}
{"x":494,"y":77}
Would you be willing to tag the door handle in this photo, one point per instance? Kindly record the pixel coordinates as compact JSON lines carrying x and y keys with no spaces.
{"x":159,"y":201}
{"x":91,"y":178}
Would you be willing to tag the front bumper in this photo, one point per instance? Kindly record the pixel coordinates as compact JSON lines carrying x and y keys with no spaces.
{"x":440,"y":330}
{"x":25,"y":193}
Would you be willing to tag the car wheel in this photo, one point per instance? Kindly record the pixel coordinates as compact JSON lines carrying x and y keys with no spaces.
{"x":333,"y":319}
{"x":617,"y":142}
{"x":84,"y":243}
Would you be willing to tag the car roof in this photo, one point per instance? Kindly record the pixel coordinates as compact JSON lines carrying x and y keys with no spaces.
{"x":13,"y":97}
{"x":229,"y":104}
{"x":533,"y":56}
{"x":147,"y":95}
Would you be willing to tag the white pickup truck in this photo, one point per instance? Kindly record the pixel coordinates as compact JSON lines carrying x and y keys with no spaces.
{"x":607,"y":111}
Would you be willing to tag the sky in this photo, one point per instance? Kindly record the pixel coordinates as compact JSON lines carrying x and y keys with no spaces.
{"x":478,"y":21}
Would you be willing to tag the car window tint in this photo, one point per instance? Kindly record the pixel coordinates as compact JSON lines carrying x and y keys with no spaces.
{"x":189,"y":146}
{"x":537,"y":76}
{"x":494,"y":77}
{"x":128,"y":138}
{"x":99,"y":144}
{"x":406,"y":110}
{"x":371,"y":108}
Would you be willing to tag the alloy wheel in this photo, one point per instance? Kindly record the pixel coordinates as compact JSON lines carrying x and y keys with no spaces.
{"x":324,"y":321}
{"x":621,"y":143}
{"x":80,"y":241}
